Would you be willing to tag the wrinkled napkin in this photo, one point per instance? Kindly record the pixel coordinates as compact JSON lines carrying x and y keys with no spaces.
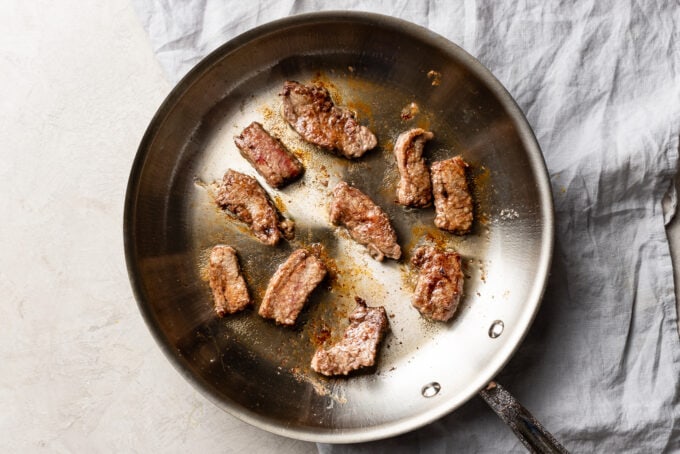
{"x":599,"y":82}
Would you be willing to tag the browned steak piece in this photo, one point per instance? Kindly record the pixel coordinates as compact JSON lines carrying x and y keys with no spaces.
{"x":311,"y":112}
{"x":366,"y":222}
{"x":229,"y":290}
{"x":414,"y":189}
{"x":270,"y":158}
{"x":440,"y":282}
{"x":290,"y":286}
{"x":359,"y":344}
{"x":452,"y":199}
{"x":242,"y":195}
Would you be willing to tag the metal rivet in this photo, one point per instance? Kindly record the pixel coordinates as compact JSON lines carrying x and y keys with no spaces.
{"x":496,"y":329}
{"x":431,"y":389}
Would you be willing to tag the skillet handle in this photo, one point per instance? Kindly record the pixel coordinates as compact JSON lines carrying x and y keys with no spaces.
{"x":529,"y":431}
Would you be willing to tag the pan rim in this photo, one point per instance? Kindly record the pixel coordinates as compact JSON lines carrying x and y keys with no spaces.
{"x":526,"y":136}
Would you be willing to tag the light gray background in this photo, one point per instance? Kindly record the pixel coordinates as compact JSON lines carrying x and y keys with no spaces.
{"x":79,"y":371}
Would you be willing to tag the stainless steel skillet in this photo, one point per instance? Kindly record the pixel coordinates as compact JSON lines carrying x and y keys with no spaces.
{"x":259,"y":372}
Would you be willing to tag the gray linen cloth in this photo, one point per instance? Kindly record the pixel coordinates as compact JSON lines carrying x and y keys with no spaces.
{"x":599,"y":81}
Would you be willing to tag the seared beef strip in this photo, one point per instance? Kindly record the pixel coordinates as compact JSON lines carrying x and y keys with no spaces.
{"x":290,"y":286}
{"x":414,"y":187}
{"x":440,"y":282}
{"x":366,"y":222}
{"x":270,"y":158}
{"x":229,"y":290}
{"x":359,"y":344}
{"x":242,"y":195}
{"x":452,"y":199}
{"x":311,"y":112}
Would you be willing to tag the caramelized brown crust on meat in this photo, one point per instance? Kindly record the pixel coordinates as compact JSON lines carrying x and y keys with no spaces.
{"x":229,"y":290}
{"x":311,"y":112}
{"x":242,"y":195}
{"x":440,"y":282}
{"x":452,"y":199}
{"x":291,"y":285}
{"x":414,"y":189}
{"x":366,"y":222}
{"x":358,"y":346}
{"x":268,"y":156}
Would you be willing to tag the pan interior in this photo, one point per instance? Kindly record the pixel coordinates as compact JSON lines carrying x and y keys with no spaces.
{"x":260,"y":372}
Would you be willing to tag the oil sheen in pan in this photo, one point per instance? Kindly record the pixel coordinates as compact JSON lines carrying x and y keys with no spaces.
{"x":353,"y":272}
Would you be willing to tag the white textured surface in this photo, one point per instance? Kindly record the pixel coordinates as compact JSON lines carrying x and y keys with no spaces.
{"x":79,"y":370}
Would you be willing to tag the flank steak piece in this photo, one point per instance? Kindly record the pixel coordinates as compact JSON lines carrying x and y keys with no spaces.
{"x":311,"y":112}
{"x":359,"y":345}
